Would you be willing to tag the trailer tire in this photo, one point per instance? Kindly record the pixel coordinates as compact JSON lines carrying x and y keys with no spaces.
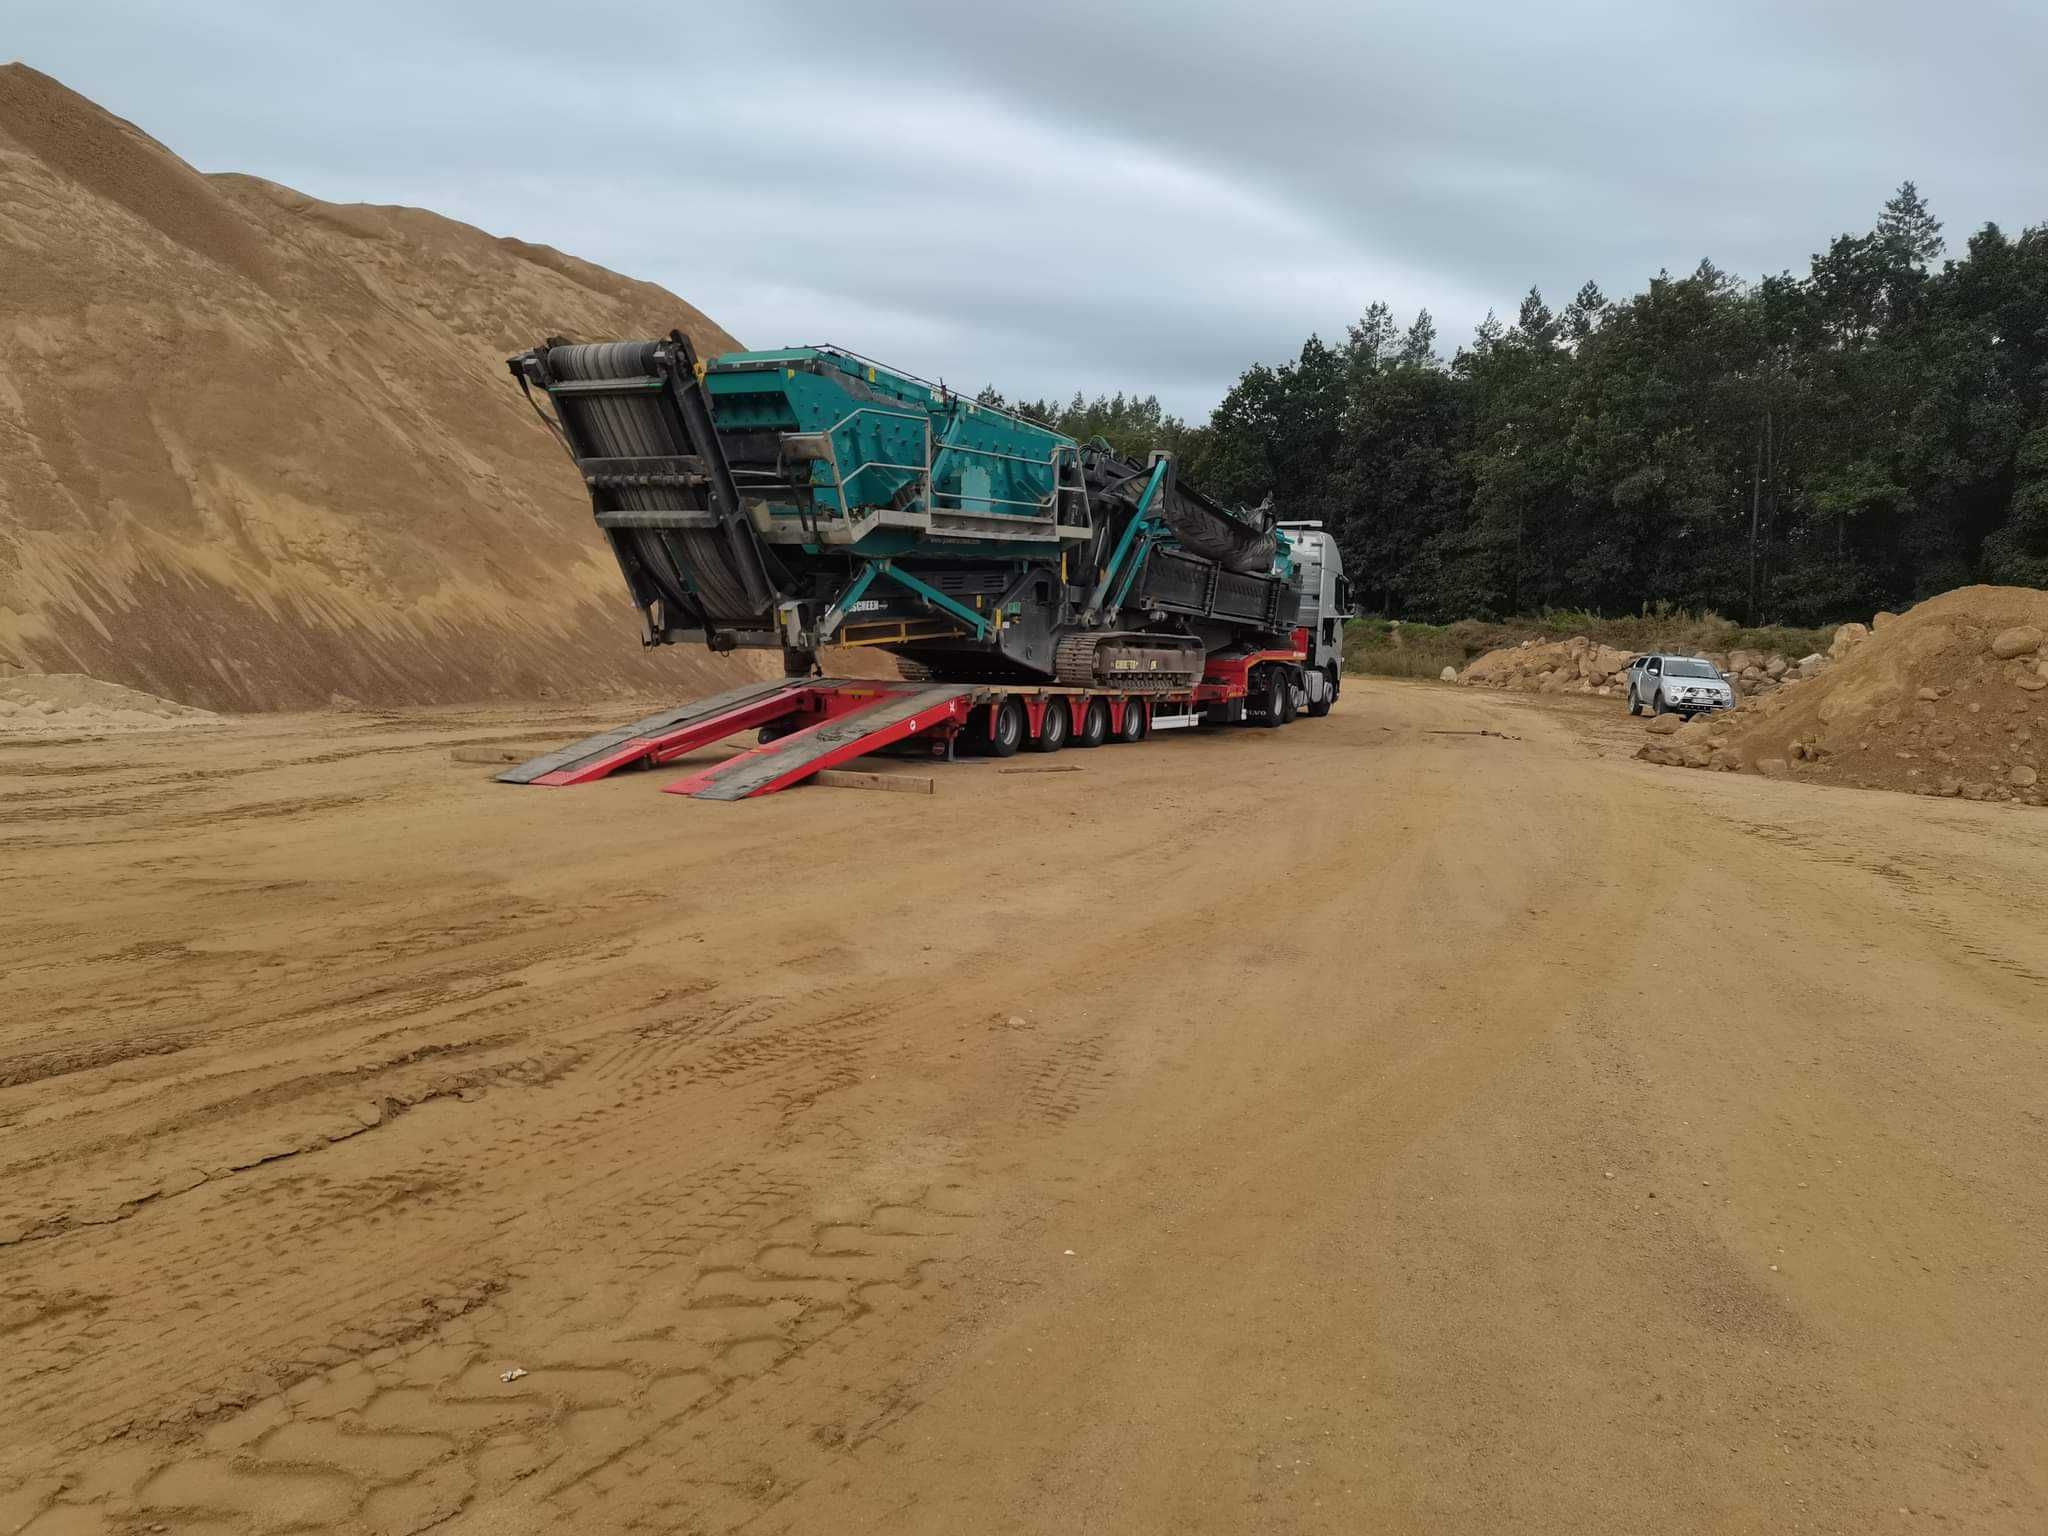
{"x":1317,"y":708}
{"x":1094,"y":724}
{"x":1006,"y":729}
{"x":1134,"y":721}
{"x":1054,"y":726}
{"x":1274,"y":698}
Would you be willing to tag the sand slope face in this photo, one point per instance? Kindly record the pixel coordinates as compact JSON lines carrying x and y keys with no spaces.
{"x":1949,"y":698}
{"x":258,"y":451}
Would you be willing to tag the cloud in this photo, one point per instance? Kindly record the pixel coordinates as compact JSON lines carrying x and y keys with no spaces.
{"x":1144,"y":196}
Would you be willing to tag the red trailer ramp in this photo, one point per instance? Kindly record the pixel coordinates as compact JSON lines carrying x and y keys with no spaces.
{"x":659,"y":738}
{"x":895,"y":712}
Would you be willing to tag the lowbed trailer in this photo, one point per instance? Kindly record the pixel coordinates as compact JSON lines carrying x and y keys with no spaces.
{"x":1035,"y":589}
{"x":810,"y":724}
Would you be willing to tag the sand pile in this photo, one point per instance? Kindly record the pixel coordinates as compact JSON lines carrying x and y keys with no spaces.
{"x":66,"y":704}
{"x":258,"y":451}
{"x":1950,"y":698}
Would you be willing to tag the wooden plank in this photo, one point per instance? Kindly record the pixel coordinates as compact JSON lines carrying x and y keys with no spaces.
{"x":856,"y":778}
{"x":1042,"y":768}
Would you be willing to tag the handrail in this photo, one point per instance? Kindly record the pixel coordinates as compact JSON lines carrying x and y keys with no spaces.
{"x":1046,"y":504}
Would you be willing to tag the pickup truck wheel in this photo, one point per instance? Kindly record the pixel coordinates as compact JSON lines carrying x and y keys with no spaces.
{"x":1657,"y":703}
{"x":1054,"y":726}
{"x":1635,"y":706}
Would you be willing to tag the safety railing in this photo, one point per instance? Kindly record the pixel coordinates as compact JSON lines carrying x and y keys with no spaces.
{"x":962,"y":502}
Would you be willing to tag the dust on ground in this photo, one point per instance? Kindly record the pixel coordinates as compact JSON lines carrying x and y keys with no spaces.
{"x":1462,"y":1132}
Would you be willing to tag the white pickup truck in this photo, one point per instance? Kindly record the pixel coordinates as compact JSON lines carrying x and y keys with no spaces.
{"x":1677,"y":685}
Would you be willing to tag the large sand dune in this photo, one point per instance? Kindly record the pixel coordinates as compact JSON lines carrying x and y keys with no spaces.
{"x":257,"y":450}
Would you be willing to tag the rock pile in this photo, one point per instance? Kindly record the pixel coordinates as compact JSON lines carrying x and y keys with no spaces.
{"x":1582,"y":665}
{"x":1950,"y":698}
{"x":1577,"y":665}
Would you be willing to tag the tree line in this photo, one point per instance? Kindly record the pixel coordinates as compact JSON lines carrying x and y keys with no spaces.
{"x":1798,"y":450}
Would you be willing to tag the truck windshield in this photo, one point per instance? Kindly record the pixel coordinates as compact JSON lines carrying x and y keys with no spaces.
{"x":1679,"y":666}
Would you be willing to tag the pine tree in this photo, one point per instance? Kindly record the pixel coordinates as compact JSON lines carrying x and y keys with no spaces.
{"x":1583,"y":314}
{"x":1535,"y":324}
{"x":1418,"y":345}
{"x":1908,"y":229}
{"x":1372,"y":336}
{"x":2018,"y":552}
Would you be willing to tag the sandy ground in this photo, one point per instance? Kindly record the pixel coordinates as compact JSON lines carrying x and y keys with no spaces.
{"x":1352,"y":1127}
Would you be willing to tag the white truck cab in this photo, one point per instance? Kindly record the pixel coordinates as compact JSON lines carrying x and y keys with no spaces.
{"x":1325,"y":598}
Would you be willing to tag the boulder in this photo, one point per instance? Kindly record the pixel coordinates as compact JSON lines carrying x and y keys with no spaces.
{"x":1878,"y":621}
{"x":1605,"y":661}
{"x":2033,"y":682}
{"x":1775,"y":666}
{"x":1697,"y":754}
{"x":1665,"y":725}
{"x":1927,"y":695}
{"x":1742,"y":661}
{"x":1448,"y":675}
{"x":1724,"y":760}
{"x":1847,"y":638}
{"x":1949,"y":785}
{"x":2023,"y":777}
{"x":1774,"y":768}
{"x":2021,"y":640}
{"x":1810,"y":666}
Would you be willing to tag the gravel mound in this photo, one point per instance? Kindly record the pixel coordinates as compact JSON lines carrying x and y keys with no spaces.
{"x":1949,"y":698}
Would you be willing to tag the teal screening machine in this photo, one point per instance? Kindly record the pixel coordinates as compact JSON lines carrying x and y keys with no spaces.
{"x":811,"y":497}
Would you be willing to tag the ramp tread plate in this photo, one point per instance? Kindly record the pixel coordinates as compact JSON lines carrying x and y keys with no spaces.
{"x":653,"y":726}
{"x":786,"y":759}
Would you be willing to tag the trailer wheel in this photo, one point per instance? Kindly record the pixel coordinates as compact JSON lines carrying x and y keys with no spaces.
{"x":1318,"y":708}
{"x":1054,"y":726}
{"x":1274,"y":698}
{"x":1133,"y":727}
{"x":1006,"y":730}
{"x":1094,"y":724}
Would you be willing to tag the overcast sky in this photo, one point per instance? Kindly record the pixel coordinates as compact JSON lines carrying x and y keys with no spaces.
{"x":1055,"y":195}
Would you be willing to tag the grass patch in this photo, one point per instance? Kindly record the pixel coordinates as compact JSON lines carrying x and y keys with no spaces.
{"x":1396,"y":648}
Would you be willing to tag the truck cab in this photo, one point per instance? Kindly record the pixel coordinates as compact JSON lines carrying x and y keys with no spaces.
{"x":1325,"y":603}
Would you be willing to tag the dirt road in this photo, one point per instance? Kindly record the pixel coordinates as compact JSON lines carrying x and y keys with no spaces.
{"x":1354,"y":1127}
